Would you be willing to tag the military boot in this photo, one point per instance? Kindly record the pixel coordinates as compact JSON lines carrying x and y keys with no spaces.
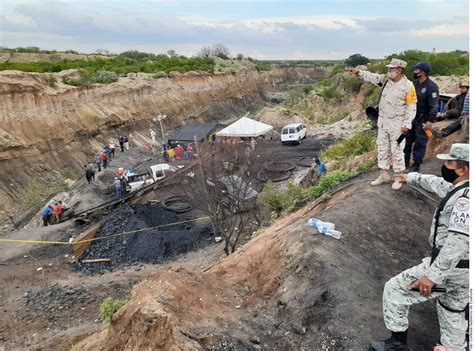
{"x":397,"y":342}
{"x":396,"y":184}
{"x":383,"y":178}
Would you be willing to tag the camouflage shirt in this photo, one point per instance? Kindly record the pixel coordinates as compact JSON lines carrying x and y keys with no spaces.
{"x":397,"y":106}
{"x":452,"y":236}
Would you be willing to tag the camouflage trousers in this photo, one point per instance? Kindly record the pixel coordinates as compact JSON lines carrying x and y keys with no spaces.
{"x":389,"y":152}
{"x":397,"y":299}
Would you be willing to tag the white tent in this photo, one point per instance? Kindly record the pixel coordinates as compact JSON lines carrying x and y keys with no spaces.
{"x":245,"y":128}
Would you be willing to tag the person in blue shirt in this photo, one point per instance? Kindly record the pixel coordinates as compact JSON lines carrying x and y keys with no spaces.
{"x":118,"y":187}
{"x":427,"y":93}
{"x":321,"y":168}
{"x":46,"y":213}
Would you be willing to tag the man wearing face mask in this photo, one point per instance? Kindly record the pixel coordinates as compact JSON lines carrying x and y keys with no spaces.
{"x":448,"y":266}
{"x":397,"y":109}
{"x":427,"y":94}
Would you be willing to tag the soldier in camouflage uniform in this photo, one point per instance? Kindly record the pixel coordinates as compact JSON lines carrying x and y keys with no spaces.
{"x":397,"y":109}
{"x":448,"y":266}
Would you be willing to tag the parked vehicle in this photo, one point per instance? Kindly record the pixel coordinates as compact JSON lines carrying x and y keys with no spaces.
{"x":293,"y":133}
{"x":136,"y":181}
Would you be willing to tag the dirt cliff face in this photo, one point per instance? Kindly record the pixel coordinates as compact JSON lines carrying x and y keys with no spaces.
{"x":47,"y":126}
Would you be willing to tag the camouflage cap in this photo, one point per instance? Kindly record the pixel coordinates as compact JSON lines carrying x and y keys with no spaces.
{"x":396,"y":63}
{"x":458,"y":152}
{"x":464,"y":83}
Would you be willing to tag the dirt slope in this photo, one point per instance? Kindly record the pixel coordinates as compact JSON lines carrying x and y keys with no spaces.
{"x":290,"y":288}
{"x":46,"y":129}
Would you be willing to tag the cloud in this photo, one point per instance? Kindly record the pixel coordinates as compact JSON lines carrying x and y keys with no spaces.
{"x":78,"y":25}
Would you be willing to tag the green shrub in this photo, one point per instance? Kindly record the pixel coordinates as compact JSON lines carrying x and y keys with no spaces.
{"x":273,"y":199}
{"x":327,"y":183}
{"x":353,"y":84}
{"x":160,"y":74}
{"x":359,"y":144}
{"x":105,"y":77}
{"x":52,"y":80}
{"x":107,"y":309}
{"x":307,"y":89}
{"x":330,"y":93}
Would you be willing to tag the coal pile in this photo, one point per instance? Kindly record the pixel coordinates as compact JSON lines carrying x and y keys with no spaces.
{"x":150,"y":246}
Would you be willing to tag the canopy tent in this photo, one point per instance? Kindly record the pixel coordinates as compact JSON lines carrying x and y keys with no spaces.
{"x":245,"y":128}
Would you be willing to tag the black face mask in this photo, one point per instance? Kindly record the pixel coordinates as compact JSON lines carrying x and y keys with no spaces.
{"x":416,"y":75}
{"x":448,"y":174}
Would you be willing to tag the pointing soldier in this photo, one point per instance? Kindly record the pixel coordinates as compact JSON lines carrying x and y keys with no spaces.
{"x":397,"y":109}
{"x":448,"y":266}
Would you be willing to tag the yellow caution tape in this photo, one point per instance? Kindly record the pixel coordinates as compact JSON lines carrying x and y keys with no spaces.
{"x":98,"y":238}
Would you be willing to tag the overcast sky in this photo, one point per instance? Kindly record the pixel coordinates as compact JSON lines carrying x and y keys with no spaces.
{"x":263,"y":29}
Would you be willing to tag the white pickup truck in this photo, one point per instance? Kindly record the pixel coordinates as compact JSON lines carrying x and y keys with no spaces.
{"x":155,"y":173}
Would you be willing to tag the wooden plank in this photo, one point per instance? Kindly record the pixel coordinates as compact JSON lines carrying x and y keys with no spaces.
{"x":80,"y":248}
{"x":96,"y":260}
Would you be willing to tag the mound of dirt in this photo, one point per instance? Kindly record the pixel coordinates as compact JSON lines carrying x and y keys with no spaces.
{"x":150,"y":246}
{"x":291,"y":288}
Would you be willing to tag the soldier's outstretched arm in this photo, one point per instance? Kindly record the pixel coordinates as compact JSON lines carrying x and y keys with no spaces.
{"x":430,"y":183}
{"x":373,"y":78}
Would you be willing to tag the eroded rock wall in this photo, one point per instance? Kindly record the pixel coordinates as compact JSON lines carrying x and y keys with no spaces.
{"x":48,"y":126}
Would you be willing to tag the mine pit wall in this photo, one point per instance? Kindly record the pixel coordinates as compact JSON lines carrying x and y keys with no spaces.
{"x":45,"y":129}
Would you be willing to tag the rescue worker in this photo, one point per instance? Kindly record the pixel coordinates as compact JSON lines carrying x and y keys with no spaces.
{"x":321,"y":168}
{"x":456,"y":111}
{"x":118,"y":187}
{"x":455,"y":105}
{"x":427,"y":95}
{"x":397,"y":109}
{"x":47,"y":211}
{"x":448,"y":266}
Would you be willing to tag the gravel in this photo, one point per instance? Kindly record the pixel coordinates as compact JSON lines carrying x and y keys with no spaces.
{"x":150,"y":246}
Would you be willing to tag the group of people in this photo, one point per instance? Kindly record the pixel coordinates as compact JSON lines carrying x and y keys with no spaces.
{"x":177,"y":152}
{"x":406,"y":113}
{"x":105,"y":155}
{"x":56,"y":210}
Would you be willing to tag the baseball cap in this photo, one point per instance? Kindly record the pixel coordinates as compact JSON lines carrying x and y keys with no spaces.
{"x":396,"y":63}
{"x":423,"y":66}
{"x":457,"y":152}
{"x":464,"y":83}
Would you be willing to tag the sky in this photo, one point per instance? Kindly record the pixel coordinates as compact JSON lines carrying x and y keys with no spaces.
{"x":262,"y":29}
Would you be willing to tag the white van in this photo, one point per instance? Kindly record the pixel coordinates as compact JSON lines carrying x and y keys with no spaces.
{"x":293,"y":133}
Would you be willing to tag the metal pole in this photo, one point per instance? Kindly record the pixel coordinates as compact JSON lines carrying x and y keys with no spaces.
{"x":162,"y":134}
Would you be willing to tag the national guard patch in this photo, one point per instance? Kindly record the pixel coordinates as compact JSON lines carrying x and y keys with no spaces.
{"x":459,"y":221}
{"x":423,"y":90}
{"x":434,"y":95}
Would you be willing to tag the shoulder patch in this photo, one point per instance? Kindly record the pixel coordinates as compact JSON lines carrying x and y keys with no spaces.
{"x":434,"y":95}
{"x":410,"y":98}
{"x":459,"y":221}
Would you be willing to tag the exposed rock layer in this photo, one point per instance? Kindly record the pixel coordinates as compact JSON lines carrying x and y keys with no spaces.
{"x":46,"y":127}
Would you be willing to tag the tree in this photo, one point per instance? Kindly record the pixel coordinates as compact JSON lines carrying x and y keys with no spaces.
{"x":220,"y":50}
{"x":171,"y":53}
{"x":103,"y":52}
{"x":356,"y":60}
{"x":205,"y":51}
{"x":222,"y":189}
{"x":239,"y":57}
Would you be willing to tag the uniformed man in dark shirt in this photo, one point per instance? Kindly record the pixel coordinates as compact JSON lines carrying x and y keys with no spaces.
{"x":427,"y":93}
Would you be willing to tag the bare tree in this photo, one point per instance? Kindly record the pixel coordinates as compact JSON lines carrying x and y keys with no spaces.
{"x":224,"y":190}
{"x":103,"y":52}
{"x":205,"y":51}
{"x":220,"y":50}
